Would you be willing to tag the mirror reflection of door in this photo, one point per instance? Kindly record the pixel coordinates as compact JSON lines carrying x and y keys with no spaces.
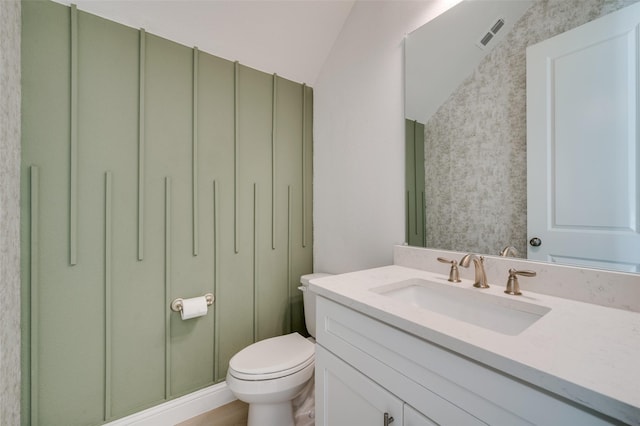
{"x":582,"y":144}
{"x":414,"y":201}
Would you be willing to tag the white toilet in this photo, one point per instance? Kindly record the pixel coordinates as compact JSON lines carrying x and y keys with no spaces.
{"x":269,"y":374}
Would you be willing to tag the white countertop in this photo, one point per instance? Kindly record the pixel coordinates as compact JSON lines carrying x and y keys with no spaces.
{"x":586,"y":353}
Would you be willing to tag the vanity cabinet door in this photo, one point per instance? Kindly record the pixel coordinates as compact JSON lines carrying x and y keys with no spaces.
{"x":415,"y":418}
{"x":345,"y":396}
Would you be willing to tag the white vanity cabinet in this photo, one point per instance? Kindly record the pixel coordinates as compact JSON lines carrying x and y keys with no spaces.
{"x":351,"y":398}
{"x":412,"y":417}
{"x":365,"y":368}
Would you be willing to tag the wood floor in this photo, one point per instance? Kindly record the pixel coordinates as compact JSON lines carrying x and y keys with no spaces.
{"x":232,"y":414}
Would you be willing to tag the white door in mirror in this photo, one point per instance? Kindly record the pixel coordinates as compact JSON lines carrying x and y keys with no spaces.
{"x":582,"y":145}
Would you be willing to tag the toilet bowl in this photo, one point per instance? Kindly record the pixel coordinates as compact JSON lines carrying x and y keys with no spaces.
{"x":270,"y":373}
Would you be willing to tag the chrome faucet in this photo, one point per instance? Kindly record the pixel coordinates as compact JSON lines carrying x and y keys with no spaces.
{"x":478,"y":262}
{"x":509,"y":251}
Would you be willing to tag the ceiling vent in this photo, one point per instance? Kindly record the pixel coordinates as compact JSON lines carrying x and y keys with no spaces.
{"x":490,"y":34}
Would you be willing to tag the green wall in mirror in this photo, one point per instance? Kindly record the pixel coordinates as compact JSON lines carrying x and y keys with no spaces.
{"x":414,"y":182}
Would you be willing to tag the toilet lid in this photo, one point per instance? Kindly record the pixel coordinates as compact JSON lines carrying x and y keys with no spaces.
{"x":277,"y":354}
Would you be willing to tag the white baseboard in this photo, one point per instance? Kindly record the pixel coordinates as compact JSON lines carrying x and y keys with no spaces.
{"x":180,"y":409}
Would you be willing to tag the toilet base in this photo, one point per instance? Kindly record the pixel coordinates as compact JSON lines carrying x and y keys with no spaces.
{"x":279,"y":414}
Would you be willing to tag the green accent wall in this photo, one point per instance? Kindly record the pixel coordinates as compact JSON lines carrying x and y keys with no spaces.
{"x":151,"y":171}
{"x":415,"y":184}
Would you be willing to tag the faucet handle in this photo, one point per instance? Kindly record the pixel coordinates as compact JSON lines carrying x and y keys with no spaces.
{"x":513,"y":287}
{"x":509,"y":250}
{"x":454,"y":274}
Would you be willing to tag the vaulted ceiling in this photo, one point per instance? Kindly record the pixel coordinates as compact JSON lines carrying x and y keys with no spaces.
{"x":289,"y":37}
{"x":294,"y":38}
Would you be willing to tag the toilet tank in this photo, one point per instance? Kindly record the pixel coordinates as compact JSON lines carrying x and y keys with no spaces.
{"x":309,"y":300}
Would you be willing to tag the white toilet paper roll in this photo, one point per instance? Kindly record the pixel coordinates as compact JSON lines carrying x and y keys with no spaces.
{"x":194,"y":307}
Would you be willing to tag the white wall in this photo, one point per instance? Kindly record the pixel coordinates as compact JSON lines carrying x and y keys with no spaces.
{"x":359,"y":137}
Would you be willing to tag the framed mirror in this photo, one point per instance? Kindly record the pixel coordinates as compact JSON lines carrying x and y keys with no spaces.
{"x":471,"y":99}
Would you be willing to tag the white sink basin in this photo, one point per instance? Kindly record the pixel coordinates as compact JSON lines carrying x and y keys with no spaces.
{"x":500,"y":314}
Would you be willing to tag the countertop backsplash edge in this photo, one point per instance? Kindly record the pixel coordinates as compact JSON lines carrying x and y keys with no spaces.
{"x":619,"y":290}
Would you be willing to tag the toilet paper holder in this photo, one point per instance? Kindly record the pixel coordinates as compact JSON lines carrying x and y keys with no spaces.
{"x":176,"y":305}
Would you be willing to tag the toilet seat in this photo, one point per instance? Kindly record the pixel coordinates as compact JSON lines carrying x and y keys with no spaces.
{"x":273,"y":358}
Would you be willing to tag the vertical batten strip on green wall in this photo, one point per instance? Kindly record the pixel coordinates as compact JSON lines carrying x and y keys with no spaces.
{"x":236,"y":148}
{"x":407,"y":217}
{"x":423,"y":236}
{"x":141,"y":139}
{"x":304,"y":165}
{"x":255,"y":262}
{"x":194,"y":159}
{"x":415,"y":180}
{"x":289,"y":257}
{"x":274,"y":138}
{"x":34,"y":265}
{"x":167,"y":287}
{"x":216,"y":276}
{"x":73,"y":149}
{"x":107,"y":293}
{"x":420,"y":183}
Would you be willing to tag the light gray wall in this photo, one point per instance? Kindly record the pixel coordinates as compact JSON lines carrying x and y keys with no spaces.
{"x":358,"y":159}
{"x":475,"y":144}
{"x":9,"y":212}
